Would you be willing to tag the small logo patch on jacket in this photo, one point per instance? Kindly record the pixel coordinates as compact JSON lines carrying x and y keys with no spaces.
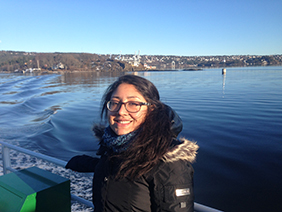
{"x":183,"y":205}
{"x":182,"y":192}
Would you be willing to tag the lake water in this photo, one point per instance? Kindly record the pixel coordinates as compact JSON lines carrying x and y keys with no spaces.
{"x":236,"y":119}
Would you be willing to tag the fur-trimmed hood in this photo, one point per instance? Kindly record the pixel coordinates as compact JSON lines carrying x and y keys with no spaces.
{"x":186,"y":150}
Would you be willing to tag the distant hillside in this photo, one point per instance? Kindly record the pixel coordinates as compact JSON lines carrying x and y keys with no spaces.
{"x":11,"y":61}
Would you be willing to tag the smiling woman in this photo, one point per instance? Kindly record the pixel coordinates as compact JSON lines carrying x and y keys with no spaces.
{"x":143,"y":166}
{"x":120,"y":119}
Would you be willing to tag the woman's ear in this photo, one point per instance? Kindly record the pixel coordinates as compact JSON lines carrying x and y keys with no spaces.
{"x":152,"y":107}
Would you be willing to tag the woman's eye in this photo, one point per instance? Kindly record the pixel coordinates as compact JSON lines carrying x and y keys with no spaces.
{"x":133,"y":103}
{"x":114,"y":103}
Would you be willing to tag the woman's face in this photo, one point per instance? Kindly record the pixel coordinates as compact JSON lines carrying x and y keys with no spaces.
{"x":123,"y":122}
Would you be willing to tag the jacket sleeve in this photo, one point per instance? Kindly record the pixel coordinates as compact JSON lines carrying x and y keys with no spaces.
{"x":82,"y":163}
{"x":173,"y":187}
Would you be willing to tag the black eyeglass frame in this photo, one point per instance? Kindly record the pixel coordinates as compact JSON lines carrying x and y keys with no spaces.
{"x":125,"y":103}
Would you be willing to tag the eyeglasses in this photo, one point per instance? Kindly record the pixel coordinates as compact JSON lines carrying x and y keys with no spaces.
{"x":130,"y":106}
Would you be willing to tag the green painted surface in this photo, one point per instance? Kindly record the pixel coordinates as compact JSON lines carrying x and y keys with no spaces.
{"x":34,"y":189}
{"x":30,"y":204}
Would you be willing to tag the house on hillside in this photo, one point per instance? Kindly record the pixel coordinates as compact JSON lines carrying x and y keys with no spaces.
{"x":59,"y":66}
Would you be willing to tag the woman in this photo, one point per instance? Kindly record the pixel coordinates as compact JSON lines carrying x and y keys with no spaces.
{"x":143,"y":167}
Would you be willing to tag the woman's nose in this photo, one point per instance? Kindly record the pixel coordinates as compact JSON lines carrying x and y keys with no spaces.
{"x":122,"y":109}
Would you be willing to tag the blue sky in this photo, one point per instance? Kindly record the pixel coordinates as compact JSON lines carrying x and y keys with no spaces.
{"x":155,"y":27}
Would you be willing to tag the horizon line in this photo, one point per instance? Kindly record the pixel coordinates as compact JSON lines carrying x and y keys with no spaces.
{"x":215,"y":55}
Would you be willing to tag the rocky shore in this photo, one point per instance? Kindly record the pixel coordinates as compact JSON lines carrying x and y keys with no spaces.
{"x":81,"y":184}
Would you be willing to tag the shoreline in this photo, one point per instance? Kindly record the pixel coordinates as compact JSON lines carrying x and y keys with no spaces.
{"x":137,"y":70}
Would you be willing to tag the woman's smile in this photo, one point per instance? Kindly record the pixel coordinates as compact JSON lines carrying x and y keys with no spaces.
{"x":122,"y":122}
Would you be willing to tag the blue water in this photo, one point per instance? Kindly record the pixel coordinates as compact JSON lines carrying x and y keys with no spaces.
{"x":236,"y":119}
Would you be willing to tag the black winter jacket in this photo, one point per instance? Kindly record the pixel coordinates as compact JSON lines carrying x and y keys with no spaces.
{"x":167,"y":187}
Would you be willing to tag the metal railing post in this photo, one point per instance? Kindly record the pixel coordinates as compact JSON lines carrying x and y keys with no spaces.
{"x":6,"y":159}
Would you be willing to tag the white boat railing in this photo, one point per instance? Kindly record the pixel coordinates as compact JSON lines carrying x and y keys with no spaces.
{"x":7,"y":168}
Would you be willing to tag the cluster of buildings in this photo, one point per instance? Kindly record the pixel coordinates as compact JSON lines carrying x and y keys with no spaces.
{"x":30,"y":70}
{"x":181,"y":62}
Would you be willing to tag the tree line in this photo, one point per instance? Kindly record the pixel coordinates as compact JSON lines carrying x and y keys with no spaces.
{"x":11,"y":61}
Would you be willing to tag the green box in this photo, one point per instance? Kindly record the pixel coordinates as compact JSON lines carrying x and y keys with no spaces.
{"x":34,"y":189}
